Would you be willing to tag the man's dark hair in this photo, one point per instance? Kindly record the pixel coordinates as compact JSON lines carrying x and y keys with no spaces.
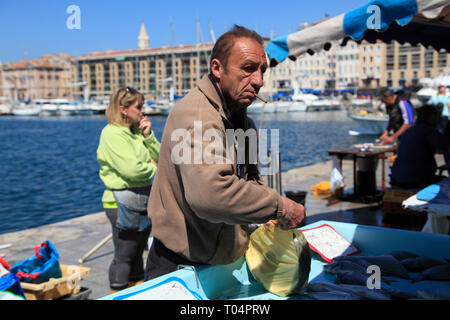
{"x":224,"y":44}
{"x":384,"y":92}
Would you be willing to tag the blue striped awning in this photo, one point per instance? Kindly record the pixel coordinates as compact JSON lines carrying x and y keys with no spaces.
{"x":425,"y":22}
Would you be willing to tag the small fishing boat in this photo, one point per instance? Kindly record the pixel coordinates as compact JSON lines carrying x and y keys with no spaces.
{"x":369,"y":123}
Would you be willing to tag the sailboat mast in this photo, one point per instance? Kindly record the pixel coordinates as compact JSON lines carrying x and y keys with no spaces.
{"x":198,"y":49}
{"x":172,"y":56}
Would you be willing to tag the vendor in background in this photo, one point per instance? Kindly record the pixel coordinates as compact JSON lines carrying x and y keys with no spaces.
{"x":443,"y":125}
{"x":442,"y":97}
{"x":400,"y":112}
{"x":415,"y":166}
{"x":128,"y":154}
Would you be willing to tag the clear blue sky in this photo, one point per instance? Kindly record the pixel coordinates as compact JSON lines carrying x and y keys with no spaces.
{"x":39,"y":26}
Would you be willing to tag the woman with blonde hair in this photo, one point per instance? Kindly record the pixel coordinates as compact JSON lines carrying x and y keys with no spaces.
{"x":128,"y":153}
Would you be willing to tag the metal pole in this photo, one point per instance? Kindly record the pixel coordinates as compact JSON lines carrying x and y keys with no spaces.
{"x":269,"y":169}
{"x":278,"y":158}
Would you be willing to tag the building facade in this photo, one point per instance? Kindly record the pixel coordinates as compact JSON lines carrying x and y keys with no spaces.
{"x":372,"y":65}
{"x":153,"y":71}
{"x":406,"y":64}
{"x":347,"y":69}
{"x":43,"y":78}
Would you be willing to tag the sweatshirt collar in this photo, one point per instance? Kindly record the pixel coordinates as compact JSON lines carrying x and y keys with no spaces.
{"x":207,"y":86}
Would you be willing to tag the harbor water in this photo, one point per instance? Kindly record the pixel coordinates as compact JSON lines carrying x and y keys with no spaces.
{"x":49,"y":169}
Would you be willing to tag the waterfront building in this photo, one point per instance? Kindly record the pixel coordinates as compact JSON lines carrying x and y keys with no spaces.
{"x":43,"y":78}
{"x":347,"y":69}
{"x":372,"y":65}
{"x":406,"y":64}
{"x":153,"y":71}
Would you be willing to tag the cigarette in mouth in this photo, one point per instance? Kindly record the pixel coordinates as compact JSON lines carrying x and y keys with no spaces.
{"x":263,"y":100}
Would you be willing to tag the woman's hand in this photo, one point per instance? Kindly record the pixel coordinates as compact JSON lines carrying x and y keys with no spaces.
{"x":145,"y":126}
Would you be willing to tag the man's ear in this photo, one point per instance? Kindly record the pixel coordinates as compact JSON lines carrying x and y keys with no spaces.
{"x":216,"y":68}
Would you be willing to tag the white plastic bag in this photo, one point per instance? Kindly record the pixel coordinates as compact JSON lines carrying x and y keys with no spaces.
{"x":336,"y":179}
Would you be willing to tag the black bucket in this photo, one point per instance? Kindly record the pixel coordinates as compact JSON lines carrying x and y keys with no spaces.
{"x":297,"y":196}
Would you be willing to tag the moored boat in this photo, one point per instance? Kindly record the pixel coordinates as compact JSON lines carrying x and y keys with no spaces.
{"x":47,"y":108}
{"x":26,"y":110}
{"x":369,"y":123}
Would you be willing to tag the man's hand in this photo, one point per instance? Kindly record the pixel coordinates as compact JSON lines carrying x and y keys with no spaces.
{"x":293,"y":214}
{"x":388,"y":140}
{"x":384,"y":135}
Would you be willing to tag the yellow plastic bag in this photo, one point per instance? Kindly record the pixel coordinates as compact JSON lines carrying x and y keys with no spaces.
{"x":280,"y":260}
{"x":321,"y":188}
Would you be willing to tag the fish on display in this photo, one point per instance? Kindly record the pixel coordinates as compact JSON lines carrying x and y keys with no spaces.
{"x":387,"y":263}
{"x":402,"y":255}
{"x":353,"y":277}
{"x":419,"y":264}
{"x":344,"y":265}
{"x":336,"y":266}
{"x":331,"y":295}
{"x":439,"y":273}
{"x":428,"y":295}
{"x":362,"y":291}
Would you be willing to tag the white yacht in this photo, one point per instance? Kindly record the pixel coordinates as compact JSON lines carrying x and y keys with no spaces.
{"x":260,"y":107}
{"x":27,"y":110}
{"x":97,"y":107}
{"x":314,"y":103}
{"x":47,"y":108}
{"x":83,"y":109}
{"x":165,"y":108}
{"x":5,"y":106}
{"x":65,"y":108}
{"x":281,"y":106}
{"x":151,"y":110}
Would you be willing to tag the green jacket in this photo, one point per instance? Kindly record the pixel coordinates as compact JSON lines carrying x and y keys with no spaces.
{"x":124,"y":159}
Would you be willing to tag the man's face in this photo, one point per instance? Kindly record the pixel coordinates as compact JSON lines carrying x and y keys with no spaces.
{"x":388,"y":100}
{"x":242,"y":76}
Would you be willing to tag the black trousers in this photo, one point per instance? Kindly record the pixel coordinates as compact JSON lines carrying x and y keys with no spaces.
{"x":128,"y":263}
{"x":161,"y":260}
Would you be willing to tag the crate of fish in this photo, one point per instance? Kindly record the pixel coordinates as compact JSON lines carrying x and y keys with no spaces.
{"x":68,"y":284}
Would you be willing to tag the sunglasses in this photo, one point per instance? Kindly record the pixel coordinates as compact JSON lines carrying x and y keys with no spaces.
{"x":126,"y":91}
